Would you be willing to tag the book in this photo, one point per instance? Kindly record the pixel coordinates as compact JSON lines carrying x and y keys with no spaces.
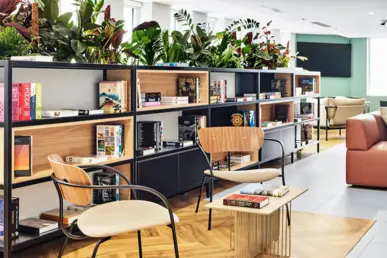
{"x":188,"y":87}
{"x":15,"y":216}
{"x":101,"y":196}
{"x":59,"y":113}
{"x":37,"y":226}
{"x":24,"y":101}
{"x":87,"y":159}
{"x":240,"y":158}
{"x":247,"y":201}
{"x":266,"y":190}
{"x":53,"y":215}
{"x":139,"y":101}
{"x":109,"y":140}
{"x":33,"y":101}
{"x":151,"y":104}
{"x":38,"y":100}
{"x":145,"y":151}
{"x":33,"y":58}
{"x":23,"y":156}
{"x":249,"y":118}
{"x":151,"y":96}
{"x":281,"y":112}
{"x":15,"y":102}
{"x":177,"y":143}
{"x":253,"y":95}
{"x":279,"y":85}
{"x":189,"y":127}
{"x":308,"y":85}
{"x":112,"y":95}
{"x":150,"y":134}
{"x":76,"y":207}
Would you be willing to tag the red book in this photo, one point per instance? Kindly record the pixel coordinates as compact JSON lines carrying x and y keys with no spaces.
{"x":246,"y":200}
{"x":24,"y":101}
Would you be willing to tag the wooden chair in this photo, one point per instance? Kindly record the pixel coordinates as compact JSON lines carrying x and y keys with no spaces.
{"x":109,"y":219}
{"x":235,"y":139}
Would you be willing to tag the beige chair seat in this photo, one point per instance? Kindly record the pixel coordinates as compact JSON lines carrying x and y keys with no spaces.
{"x":122,"y":216}
{"x":246,"y":176}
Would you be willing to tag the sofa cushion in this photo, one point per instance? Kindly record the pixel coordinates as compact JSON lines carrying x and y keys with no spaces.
{"x":347,"y":102}
{"x":381,"y":123}
{"x":362,"y":132}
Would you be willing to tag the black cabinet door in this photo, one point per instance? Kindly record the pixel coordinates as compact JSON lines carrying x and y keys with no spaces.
{"x":191,"y":168}
{"x":160,"y":174}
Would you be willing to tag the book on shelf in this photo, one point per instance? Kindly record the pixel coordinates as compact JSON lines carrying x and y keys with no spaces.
{"x":279,"y":85}
{"x":241,"y":158}
{"x":271,"y":123}
{"x":270,"y":95}
{"x":177,"y":144}
{"x":189,"y":87}
{"x":223,"y":165}
{"x":15,"y":211}
{"x":113,"y":96}
{"x":110,"y":140}
{"x":150,"y":134}
{"x":247,"y":201}
{"x":68,"y":216}
{"x":33,"y":58}
{"x":38,"y":100}
{"x":81,"y":208}
{"x":139,"y":99}
{"x":101,"y":196}
{"x":253,"y":95}
{"x":308,"y":85}
{"x":218,"y":91}
{"x":189,"y":126}
{"x":264,"y":189}
{"x":33,"y":102}
{"x":37,"y":227}
{"x":142,"y":151}
{"x":23,"y":156}
{"x":24,"y":101}
{"x":171,"y":100}
{"x":306,"y":108}
{"x":243,"y":118}
{"x":281,"y":112}
{"x":71,"y":112}
{"x":15,"y":102}
{"x":151,"y":104}
{"x":151,"y":96}
{"x":86,"y":159}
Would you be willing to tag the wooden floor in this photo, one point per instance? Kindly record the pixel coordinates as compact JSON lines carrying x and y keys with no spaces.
{"x":317,"y":234}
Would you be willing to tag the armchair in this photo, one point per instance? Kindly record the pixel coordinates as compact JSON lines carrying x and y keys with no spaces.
{"x":109,"y":219}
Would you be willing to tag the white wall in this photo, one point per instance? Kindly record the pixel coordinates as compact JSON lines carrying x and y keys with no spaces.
{"x":199,"y":17}
{"x":162,"y":14}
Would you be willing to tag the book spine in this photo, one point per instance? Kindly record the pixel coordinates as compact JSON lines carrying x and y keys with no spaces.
{"x":239,"y":203}
{"x":139,"y":93}
{"x":24,"y":101}
{"x":197,"y":82}
{"x":33,"y":101}
{"x":15,"y":102}
{"x":173,"y":144}
{"x":117,"y":190}
{"x":38,"y":100}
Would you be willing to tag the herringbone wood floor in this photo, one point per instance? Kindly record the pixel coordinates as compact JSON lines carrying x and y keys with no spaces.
{"x":313,"y":235}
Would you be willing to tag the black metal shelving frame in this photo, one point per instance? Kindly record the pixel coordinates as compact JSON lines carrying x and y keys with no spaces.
{"x":9,"y":245}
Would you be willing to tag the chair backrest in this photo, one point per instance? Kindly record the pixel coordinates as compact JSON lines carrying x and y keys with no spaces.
{"x":74,"y":175}
{"x":231,"y":139}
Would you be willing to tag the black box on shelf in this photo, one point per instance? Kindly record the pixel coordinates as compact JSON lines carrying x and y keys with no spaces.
{"x":106,"y":195}
{"x":189,"y":127}
{"x":281,"y":113}
{"x":150,"y":134}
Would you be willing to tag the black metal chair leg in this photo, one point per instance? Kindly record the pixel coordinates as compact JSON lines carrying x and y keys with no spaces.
{"x":66,"y":240}
{"x":98,"y":244}
{"x":175,"y":245}
{"x":211,"y":195}
{"x":326,"y":134}
{"x":200,"y":194}
{"x":139,"y":243}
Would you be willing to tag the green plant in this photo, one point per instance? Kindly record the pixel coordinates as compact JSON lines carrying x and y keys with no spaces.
{"x":175,"y":50}
{"x":13,"y":44}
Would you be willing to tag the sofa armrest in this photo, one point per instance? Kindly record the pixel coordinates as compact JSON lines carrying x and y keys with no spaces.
{"x":362,"y":132}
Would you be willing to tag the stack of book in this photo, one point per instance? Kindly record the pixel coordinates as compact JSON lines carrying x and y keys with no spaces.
{"x":173,"y":100}
{"x":26,"y":101}
{"x":176,"y":143}
{"x":247,"y":201}
{"x":113,"y":96}
{"x":37,"y":227}
{"x":151,"y":99}
{"x":270,"y":95}
{"x":271,"y":123}
{"x":242,"y":158}
{"x":70,"y":112}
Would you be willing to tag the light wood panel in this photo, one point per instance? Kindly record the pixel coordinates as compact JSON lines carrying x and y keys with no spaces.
{"x":70,"y":139}
{"x":267,"y":111}
{"x":124,"y":75}
{"x":289,"y":79}
{"x":166,"y":81}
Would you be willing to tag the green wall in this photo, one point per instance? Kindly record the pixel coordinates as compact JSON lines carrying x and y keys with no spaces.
{"x":356,"y":86}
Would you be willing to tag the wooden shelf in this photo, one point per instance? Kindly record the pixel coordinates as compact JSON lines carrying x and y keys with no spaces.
{"x":315,"y":95}
{"x":274,"y":101}
{"x":43,"y":171}
{"x":277,"y":126}
{"x":306,"y":121}
{"x":171,"y":107}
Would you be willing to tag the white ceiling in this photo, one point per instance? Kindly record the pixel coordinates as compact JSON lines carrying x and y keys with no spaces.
{"x":349,"y":18}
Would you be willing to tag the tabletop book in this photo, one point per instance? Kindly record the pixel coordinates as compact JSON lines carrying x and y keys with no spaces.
{"x":247,"y":201}
{"x":37,"y":226}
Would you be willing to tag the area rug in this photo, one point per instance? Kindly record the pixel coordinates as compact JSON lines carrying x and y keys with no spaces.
{"x":313,"y":235}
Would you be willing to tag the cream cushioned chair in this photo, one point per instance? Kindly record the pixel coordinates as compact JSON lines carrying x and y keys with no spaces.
{"x":235,"y":139}
{"x":106,"y":220}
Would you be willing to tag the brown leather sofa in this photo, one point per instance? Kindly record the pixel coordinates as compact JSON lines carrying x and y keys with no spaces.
{"x":366,"y":139}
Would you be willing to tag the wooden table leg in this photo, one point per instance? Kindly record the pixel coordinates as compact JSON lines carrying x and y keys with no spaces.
{"x":262,"y":234}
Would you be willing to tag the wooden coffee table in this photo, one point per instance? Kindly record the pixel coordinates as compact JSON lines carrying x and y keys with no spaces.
{"x":262,"y":231}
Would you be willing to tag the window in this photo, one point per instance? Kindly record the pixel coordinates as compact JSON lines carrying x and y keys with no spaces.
{"x":131,"y":17}
{"x":377,"y":55}
{"x":212,"y":23}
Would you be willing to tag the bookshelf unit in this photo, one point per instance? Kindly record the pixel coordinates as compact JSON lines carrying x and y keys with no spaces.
{"x":172,"y":170}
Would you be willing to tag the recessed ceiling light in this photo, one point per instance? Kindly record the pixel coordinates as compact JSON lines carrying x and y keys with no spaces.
{"x":371,"y":13}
